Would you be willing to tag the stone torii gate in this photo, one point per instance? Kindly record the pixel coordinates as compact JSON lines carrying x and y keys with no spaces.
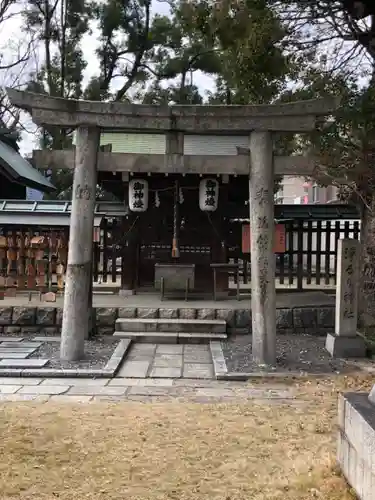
{"x":258,"y":164}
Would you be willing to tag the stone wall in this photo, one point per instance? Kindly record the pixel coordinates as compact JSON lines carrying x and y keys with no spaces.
{"x":47,"y":320}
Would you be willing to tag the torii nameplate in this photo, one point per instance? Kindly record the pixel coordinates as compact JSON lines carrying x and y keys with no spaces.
{"x":287,"y":117}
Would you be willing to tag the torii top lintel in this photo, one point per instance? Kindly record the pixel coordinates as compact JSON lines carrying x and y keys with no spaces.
{"x":289,"y":117}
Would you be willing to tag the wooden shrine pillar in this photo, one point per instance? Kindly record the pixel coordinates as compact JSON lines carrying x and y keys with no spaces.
{"x":75,"y":324}
{"x":263,"y":261}
{"x":219,"y":236}
{"x":129,"y":253}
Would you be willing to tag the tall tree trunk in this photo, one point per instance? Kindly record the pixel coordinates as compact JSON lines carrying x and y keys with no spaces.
{"x":367,"y":284}
{"x":47,"y":45}
{"x":63,"y":20}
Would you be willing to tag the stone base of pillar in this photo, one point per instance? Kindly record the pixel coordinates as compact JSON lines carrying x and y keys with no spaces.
{"x":340,"y":346}
{"x":355,"y":453}
{"x":123,"y":292}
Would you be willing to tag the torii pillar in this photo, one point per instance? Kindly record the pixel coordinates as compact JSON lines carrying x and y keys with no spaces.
{"x":78,"y":280}
{"x":300,"y":119}
{"x":263,"y":262}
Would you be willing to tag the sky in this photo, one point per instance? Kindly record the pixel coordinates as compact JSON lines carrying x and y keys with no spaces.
{"x":10,"y":31}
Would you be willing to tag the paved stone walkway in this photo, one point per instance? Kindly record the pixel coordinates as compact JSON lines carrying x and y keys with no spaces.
{"x":119,"y":389}
{"x":168,"y":361}
{"x":15,"y":351}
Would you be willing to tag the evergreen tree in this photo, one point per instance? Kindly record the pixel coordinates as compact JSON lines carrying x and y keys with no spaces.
{"x":58,"y":27}
{"x":340,"y":42}
{"x":125,"y":42}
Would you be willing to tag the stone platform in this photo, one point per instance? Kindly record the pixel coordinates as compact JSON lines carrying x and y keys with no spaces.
{"x":305,"y":312}
{"x":356,"y":445}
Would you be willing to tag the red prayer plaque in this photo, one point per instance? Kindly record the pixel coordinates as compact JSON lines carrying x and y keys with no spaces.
{"x":279,"y":245}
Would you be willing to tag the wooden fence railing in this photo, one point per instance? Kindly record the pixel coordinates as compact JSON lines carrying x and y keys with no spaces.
{"x":311,"y":253}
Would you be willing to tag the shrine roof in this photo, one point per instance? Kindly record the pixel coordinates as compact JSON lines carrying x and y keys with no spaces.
{"x":52,"y":213}
{"x":13,"y":211}
{"x":17,"y":169}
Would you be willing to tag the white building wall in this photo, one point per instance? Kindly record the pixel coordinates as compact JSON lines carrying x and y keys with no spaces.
{"x":291,"y":188}
{"x":216,"y":145}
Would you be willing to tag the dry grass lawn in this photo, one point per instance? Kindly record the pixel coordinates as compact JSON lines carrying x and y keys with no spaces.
{"x":175,"y":450}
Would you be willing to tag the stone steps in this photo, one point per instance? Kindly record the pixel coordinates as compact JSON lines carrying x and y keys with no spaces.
{"x":147,"y":325}
{"x":170,"y":337}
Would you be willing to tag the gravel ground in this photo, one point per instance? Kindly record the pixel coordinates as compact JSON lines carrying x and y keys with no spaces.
{"x":297,"y":353}
{"x":97,"y":353}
